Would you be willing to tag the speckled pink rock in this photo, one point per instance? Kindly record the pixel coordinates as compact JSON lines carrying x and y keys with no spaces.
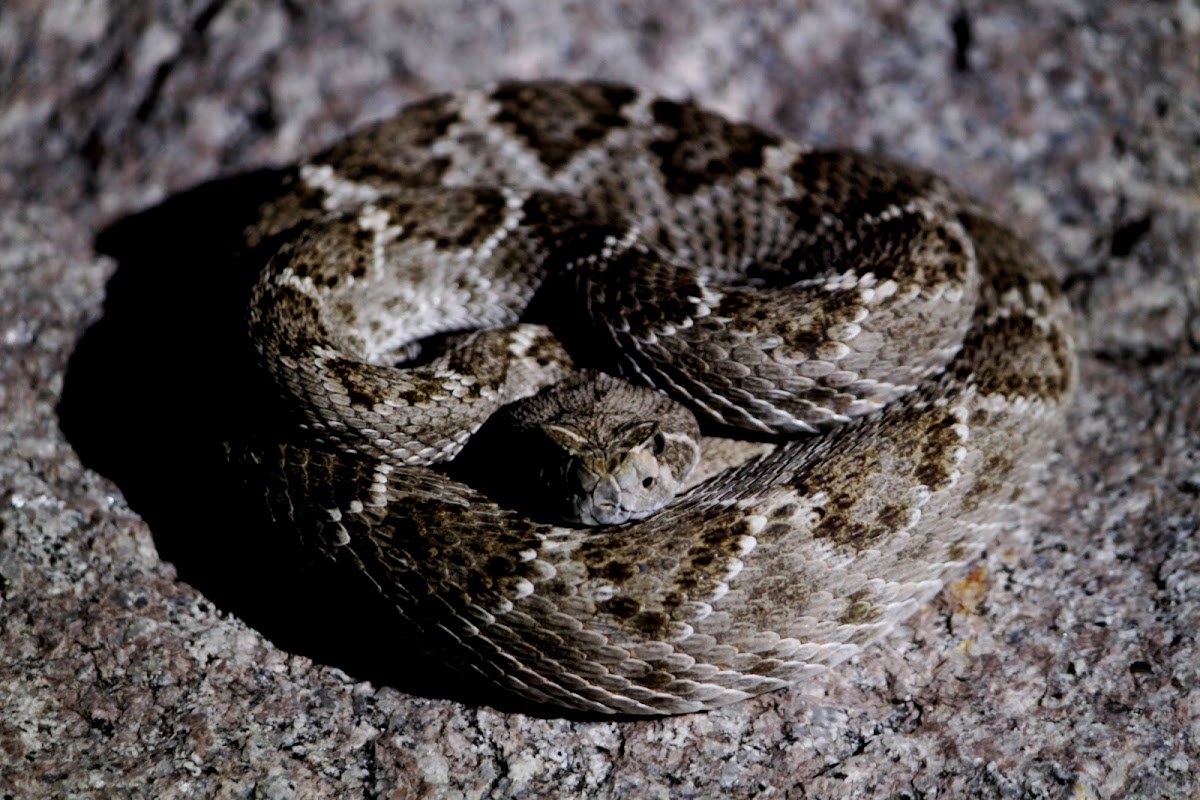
{"x":151,"y":647}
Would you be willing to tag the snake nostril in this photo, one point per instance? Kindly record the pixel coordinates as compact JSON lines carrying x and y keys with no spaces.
{"x":648,"y":482}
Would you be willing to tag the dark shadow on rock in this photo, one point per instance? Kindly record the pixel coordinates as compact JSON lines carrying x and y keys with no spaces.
{"x":153,"y":392}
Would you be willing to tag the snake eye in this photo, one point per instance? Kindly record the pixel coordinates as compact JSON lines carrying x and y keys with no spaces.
{"x":660,"y":444}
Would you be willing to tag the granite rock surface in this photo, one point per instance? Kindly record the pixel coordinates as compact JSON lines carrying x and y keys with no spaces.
{"x":149,"y":646}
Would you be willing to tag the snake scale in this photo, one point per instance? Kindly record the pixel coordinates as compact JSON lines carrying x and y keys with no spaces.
{"x":876,"y":365}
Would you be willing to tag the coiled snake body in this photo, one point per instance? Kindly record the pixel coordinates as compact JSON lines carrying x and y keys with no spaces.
{"x":898,"y":358}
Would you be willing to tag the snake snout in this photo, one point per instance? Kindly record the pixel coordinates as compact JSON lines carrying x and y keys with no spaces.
{"x":606,"y":503}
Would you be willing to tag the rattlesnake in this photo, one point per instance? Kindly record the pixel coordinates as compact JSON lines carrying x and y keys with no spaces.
{"x":895,"y":359}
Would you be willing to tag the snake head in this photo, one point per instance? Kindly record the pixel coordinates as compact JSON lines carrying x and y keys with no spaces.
{"x":591,"y":450}
{"x":609,"y":476}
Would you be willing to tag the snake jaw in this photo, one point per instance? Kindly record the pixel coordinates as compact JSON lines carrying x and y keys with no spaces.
{"x":607,"y":489}
{"x":602,"y":506}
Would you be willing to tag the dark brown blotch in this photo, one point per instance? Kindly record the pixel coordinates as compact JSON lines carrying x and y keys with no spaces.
{"x":651,"y":624}
{"x":859,"y":609}
{"x":619,"y":571}
{"x":498,"y":567}
{"x":1009,"y":373}
{"x":784,"y":512}
{"x":934,"y":463}
{"x":450,"y":218}
{"x":856,"y":185}
{"x":893,"y":517}
{"x":360,"y":389}
{"x":397,"y":150}
{"x":990,"y":479}
{"x":621,"y":607}
{"x":701,"y":148}
{"x":558,"y":120}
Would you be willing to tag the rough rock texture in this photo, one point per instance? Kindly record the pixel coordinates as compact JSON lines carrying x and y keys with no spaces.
{"x":149,"y":646}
